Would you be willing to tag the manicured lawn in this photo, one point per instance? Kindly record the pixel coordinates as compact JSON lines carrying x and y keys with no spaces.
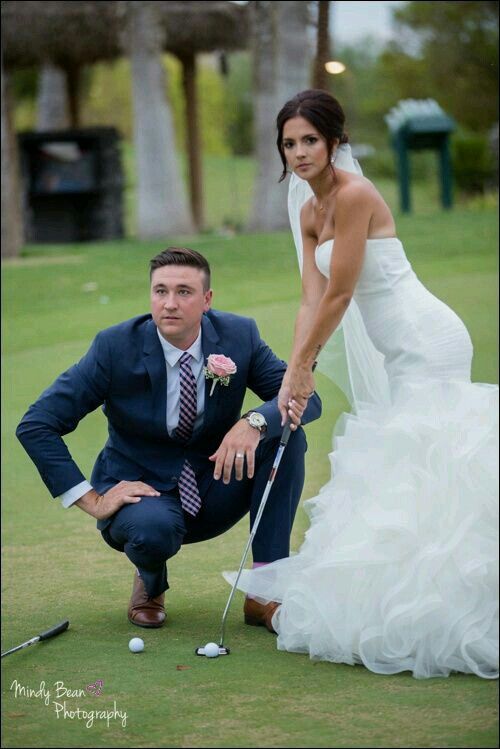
{"x":56,"y":566}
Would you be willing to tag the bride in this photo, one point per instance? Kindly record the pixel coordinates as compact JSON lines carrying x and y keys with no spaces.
{"x":398,"y":570}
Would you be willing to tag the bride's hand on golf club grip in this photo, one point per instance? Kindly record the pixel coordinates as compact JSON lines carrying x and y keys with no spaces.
{"x":102,"y":506}
{"x":291,"y":409}
{"x":241,"y":439}
{"x":301,"y":384}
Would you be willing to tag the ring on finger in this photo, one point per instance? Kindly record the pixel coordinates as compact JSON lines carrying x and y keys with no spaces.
{"x":240,"y":455}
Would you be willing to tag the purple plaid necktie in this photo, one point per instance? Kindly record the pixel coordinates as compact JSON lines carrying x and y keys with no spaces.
{"x":188,"y":488}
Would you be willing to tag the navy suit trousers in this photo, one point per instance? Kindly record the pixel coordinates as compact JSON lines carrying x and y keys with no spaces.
{"x":152,"y":531}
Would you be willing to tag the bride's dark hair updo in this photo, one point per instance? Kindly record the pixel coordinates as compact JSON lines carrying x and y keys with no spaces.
{"x":321,"y":110}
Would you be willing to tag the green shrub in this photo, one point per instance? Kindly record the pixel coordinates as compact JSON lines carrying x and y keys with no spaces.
{"x":240,"y":105}
{"x":473,"y":162}
{"x":380,"y":165}
{"x":383,"y":165}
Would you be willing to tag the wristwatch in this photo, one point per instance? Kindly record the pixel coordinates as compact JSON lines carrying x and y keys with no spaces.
{"x":256,"y":420}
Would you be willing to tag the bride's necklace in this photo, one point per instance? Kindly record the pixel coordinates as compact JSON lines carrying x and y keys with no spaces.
{"x":322,"y":206}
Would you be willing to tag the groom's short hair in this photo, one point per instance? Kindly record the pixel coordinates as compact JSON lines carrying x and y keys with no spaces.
{"x":182,"y":256}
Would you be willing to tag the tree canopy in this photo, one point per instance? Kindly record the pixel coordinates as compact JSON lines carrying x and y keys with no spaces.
{"x":448,"y":50}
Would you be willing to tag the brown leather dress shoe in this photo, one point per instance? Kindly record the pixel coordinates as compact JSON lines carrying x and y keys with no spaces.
{"x":144,"y":611}
{"x":259,"y":614}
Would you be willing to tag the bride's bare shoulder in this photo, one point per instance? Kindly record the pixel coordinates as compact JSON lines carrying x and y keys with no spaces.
{"x":356,"y":187}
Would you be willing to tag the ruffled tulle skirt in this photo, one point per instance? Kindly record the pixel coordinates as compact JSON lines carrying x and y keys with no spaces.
{"x":399,"y":568}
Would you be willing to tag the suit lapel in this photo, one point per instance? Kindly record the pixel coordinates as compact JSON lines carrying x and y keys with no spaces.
{"x":210,"y":345}
{"x":154,"y":361}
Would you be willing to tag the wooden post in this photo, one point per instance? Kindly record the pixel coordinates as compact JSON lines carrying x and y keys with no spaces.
{"x":73,"y":79}
{"x":188,"y":61}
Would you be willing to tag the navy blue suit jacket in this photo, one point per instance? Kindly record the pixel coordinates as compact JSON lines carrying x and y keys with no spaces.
{"x":124,"y":371}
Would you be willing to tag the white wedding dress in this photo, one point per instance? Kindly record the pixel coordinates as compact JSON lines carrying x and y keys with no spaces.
{"x":399,"y":567}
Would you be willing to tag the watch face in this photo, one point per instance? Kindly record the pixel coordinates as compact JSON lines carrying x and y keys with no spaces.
{"x":256,"y":420}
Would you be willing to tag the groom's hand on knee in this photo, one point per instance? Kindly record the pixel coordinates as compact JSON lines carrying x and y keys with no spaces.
{"x":102,"y":506}
{"x":237,"y":447}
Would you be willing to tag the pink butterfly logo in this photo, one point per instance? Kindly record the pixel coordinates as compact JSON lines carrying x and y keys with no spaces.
{"x":96,"y":688}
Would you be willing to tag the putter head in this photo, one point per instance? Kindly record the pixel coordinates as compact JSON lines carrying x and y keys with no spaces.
{"x":222,"y":651}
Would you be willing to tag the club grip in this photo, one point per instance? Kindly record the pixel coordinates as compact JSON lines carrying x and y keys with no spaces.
{"x":62,"y":627}
{"x":285,"y":435}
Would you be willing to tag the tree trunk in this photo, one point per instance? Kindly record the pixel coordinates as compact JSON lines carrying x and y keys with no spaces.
{"x":294,"y":53}
{"x":52,"y":101}
{"x":323,"y":46}
{"x":281,"y":69}
{"x":193,"y":138}
{"x":12,"y":218}
{"x":162,"y":205}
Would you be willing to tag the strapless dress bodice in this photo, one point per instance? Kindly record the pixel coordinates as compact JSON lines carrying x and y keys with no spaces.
{"x":418,"y":334}
{"x":384,"y":264}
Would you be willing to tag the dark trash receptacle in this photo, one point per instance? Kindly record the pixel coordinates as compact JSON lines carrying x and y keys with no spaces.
{"x":72,"y":185}
{"x":415,"y":125}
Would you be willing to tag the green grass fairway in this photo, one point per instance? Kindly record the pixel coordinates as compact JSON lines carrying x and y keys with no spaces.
{"x":56,"y":566}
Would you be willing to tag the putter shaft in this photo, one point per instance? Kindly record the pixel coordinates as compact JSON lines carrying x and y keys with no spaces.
{"x":20,"y":647}
{"x":283,"y":443}
{"x":52,"y":632}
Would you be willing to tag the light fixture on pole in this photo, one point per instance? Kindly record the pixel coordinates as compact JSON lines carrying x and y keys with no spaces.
{"x":334,"y":67}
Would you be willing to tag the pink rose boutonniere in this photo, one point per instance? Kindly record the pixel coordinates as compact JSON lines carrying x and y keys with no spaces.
{"x":219,"y":369}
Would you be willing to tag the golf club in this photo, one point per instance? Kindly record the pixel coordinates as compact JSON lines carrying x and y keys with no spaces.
{"x":62,"y":627}
{"x":283,"y":443}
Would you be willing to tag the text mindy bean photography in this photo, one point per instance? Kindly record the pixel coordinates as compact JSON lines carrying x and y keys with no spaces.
{"x":67,"y":711}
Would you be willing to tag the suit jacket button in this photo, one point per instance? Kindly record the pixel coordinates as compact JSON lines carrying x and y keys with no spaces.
{"x":175,"y":478}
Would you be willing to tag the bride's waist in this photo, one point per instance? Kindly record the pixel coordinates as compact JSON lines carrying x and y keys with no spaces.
{"x":398,"y":321}
{"x":403,"y":295}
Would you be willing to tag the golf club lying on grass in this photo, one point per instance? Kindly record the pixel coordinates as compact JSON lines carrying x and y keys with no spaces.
{"x":62,"y":627}
{"x":210,"y":650}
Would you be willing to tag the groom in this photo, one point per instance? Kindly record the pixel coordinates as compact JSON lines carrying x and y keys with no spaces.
{"x":181,"y":464}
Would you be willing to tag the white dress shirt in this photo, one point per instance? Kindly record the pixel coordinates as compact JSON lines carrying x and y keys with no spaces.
{"x":172,"y":357}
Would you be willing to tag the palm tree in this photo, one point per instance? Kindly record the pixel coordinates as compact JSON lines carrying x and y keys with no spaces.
{"x":162,"y":203}
{"x":281,"y":68}
{"x":52,"y":100}
{"x":12,"y":223}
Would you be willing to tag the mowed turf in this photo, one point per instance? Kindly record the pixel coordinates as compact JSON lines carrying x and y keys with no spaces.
{"x":56,"y":566}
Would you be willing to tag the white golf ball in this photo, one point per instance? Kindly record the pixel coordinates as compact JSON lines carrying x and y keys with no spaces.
{"x":211,"y":650}
{"x":136,"y":645}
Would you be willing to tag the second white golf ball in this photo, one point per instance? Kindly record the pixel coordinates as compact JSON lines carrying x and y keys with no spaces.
{"x":136,"y":645}
{"x":211,"y":650}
